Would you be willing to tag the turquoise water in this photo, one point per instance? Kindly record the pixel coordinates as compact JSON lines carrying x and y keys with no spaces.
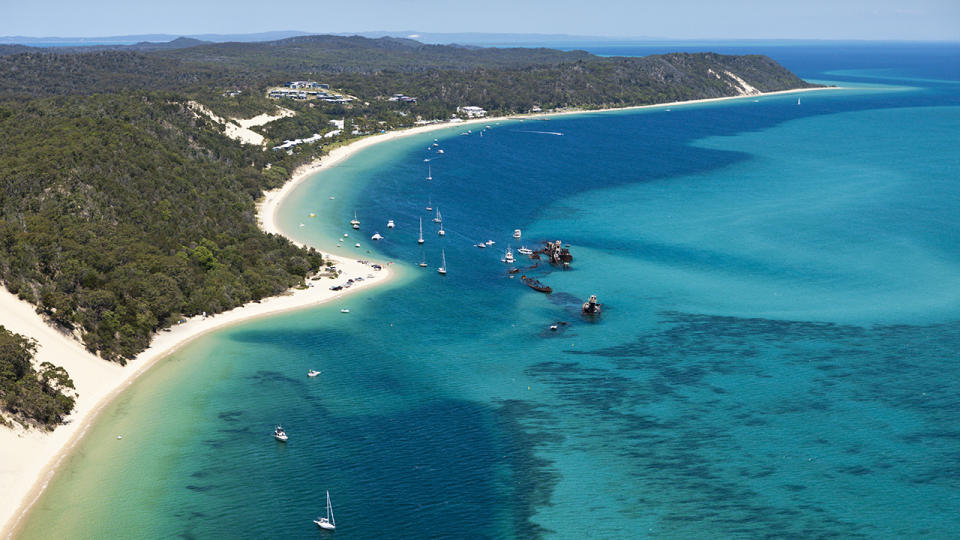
{"x":776,"y":356}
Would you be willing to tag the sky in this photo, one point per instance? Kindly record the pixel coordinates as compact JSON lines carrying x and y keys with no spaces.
{"x":936,"y":20}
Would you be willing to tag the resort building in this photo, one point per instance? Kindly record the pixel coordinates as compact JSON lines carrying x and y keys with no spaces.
{"x":472,"y":112}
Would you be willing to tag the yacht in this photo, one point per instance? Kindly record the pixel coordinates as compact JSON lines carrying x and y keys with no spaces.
{"x":443,"y":264}
{"x":516,"y":233}
{"x":525,"y":251}
{"x":508,"y":256}
{"x":327,"y":522}
{"x":279,"y":434}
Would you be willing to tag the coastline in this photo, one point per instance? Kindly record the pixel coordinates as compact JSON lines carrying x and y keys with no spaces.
{"x":28,"y":459}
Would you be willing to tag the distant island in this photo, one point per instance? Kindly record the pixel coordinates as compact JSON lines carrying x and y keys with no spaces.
{"x":130,"y":174}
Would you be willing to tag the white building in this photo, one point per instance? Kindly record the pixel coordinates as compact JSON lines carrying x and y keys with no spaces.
{"x":472,"y":111}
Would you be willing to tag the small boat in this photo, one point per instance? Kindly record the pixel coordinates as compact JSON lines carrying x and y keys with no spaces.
{"x":525,"y":250}
{"x":436,"y":144}
{"x":553,"y":327}
{"x":440,"y":151}
{"x":356,"y":245}
{"x":516,"y":233}
{"x":344,"y":310}
{"x":390,"y":224}
{"x":327,"y":522}
{"x":535,"y":284}
{"x":376,"y":236}
{"x":332,"y":197}
{"x":489,"y":242}
{"x":312,"y":214}
{"x":438,"y":219}
{"x":443,"y":264}
{"x":508,"y":256}
{"x":420,"y":240}
{"x":481,"y":245}
{"x":279,"y":434}
{"x":798,"y":101}
{"x":312,"y":373}
{"x":429,"y":176}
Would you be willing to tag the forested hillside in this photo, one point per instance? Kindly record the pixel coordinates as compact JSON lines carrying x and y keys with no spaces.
{"x":121,"y":213}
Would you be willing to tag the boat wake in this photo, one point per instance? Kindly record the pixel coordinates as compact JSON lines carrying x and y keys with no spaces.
{"x":557,"y":133}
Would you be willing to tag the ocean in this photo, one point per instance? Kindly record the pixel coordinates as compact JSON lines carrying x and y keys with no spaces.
{"x":776,"y":357}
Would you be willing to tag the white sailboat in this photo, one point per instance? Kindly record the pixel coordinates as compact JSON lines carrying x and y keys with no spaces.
{"x":423,"y":263}
{"x":355,"y":223}
{"x":443,"y":263}
{"x":437,"y":219}
{"x":420,"y":240}
{"x":328,"y":522}
{"x":429,"y":204}
{"x":429,"y":175}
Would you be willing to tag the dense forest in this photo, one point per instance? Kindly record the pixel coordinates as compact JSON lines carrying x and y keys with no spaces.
{"x":29,"y":396}
{"x":123,"y":210}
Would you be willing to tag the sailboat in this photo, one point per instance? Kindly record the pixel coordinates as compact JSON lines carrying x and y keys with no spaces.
{"x":429,"y":176}
{"x":429,"y":204}
{"x":438,"y":219}
{"x":798,"y":101}
{"x":420,"y":240}
{"x":443,"y":263}
{"x":355,"y":223}
{"x":423,"y":263}
{"x":327,"y":522}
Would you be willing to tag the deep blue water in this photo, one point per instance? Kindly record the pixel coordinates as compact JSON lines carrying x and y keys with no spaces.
{"x":781,"y":285}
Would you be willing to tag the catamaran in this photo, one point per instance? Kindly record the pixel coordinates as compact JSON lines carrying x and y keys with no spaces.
{"x":328,"y":522}
{"x":443,"y":263}
{"x":420,"y":240}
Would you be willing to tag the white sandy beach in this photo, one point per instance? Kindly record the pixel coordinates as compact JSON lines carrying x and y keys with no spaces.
{"x":28,"y":459}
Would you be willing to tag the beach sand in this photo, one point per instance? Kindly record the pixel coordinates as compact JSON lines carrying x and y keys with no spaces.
{"x":28,"y":459}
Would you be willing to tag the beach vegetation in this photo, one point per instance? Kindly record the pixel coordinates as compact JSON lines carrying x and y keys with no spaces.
{"x":32,"y":396}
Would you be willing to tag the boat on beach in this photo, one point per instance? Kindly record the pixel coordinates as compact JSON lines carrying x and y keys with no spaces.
{"x":328,"y":522}
{"x":279,"y":434}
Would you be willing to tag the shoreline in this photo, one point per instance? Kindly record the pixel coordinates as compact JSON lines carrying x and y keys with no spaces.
{"x":29,"y":459}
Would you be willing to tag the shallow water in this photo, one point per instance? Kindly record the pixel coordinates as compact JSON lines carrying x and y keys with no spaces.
{"x":775,"y":357}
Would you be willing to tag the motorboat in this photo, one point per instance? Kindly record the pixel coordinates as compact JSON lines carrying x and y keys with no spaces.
{"x":279,"y":434}
{"x":345,"y":310}
{"x":312,"y":373}
{"x":376,"y":236}
{"x":508,"y":256}
{"x":525,"y":251}
{"x":390,"y":224}
{"x":516,"y":233}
